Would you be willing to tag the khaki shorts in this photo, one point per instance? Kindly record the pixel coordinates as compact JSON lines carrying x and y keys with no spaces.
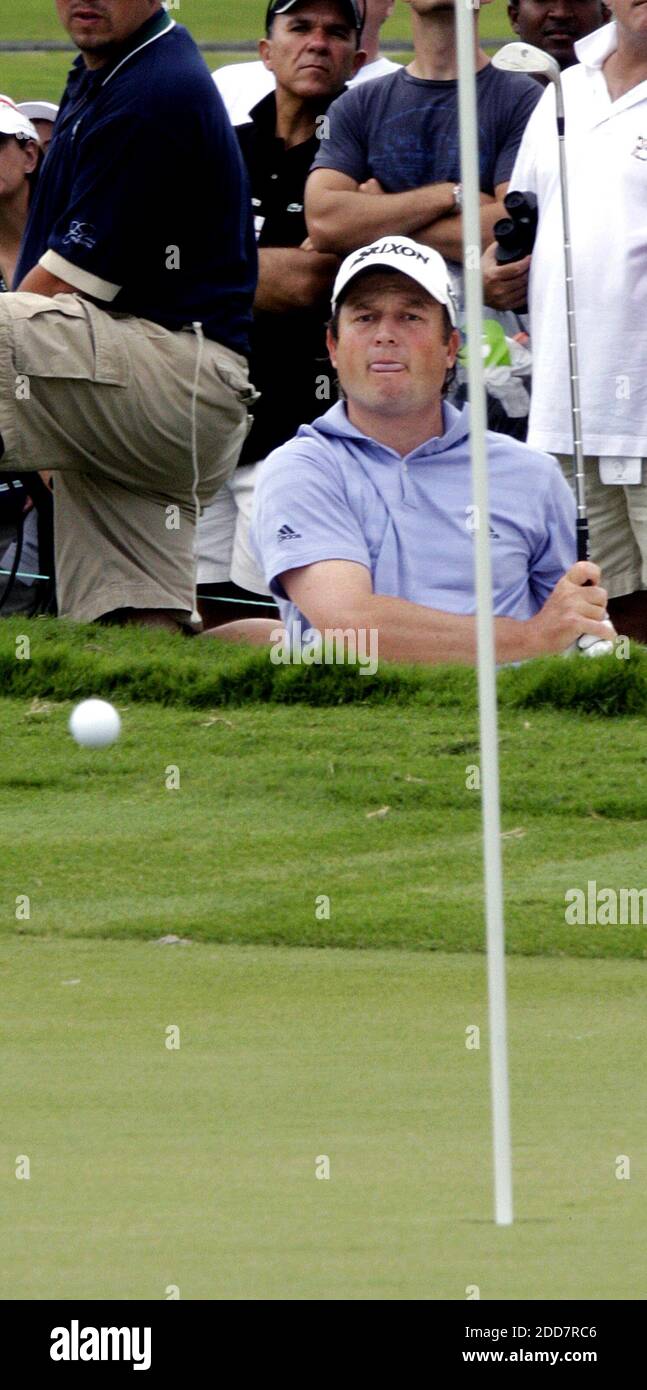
{"x":617,"y":526}
{"x":223,"y":547}
{"x":105,"y":399}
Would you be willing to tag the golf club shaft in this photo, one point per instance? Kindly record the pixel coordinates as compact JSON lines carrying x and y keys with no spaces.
{"x":582,"y":525}
{"x":582,"y":521}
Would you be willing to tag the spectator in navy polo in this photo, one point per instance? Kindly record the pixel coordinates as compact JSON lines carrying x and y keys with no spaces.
{"x":123,"y":357}
{"x":365,"y":521}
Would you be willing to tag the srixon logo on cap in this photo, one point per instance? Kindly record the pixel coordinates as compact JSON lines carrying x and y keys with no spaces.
{"x":397,"y":248}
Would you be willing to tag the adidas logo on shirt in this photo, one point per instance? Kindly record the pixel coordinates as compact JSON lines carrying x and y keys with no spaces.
{"x":285,"y":533}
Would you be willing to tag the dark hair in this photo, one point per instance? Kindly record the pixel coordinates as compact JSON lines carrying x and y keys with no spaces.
{"x":448,"y":329}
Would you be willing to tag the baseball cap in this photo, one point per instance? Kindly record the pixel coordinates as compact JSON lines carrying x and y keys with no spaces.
{"x":419,"y":262}
{"x":356,"y":10}
{"x":14,"y":122}
{"x":38,"y":110}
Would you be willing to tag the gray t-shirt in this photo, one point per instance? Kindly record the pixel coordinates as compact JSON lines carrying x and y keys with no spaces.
{"x":404,"y":131}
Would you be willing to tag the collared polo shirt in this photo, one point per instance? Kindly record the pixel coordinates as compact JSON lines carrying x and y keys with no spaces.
{"x":333,"y":493}
{"x":143,"y":202}
{"x":288,"y":350}
{"x":606,"y":153}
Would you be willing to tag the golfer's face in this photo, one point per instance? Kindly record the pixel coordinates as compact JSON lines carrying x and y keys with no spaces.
{"x":94,"y":25}
{"x":390,"y":355}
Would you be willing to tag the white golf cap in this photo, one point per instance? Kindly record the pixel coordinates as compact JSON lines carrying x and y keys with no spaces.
{"x":14,"y":122}
{"x":411,"y":258}
{"x":38,"y":110}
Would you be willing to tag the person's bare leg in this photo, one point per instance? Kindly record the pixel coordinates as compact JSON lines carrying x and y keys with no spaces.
{"x":143,"y":617}
{"x":628,"y":613}
{"x":216,"y":615}
{"x":258,"y":632}
{"x":223,"y":603}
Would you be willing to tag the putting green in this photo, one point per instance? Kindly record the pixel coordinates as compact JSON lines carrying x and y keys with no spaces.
{"x":196,"y":1167}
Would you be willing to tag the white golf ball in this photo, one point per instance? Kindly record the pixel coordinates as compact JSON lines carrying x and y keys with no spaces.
{"x":94,"y":723}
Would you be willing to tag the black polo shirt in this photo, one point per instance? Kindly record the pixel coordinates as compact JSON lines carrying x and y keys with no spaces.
{"x":288,"y":350}
{"x":143,"y":201}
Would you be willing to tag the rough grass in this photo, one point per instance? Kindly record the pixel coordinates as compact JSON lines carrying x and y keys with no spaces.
{"x":68,"y":659}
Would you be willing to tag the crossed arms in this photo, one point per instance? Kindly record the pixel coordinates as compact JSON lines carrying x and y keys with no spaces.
{"x":342,"y":214}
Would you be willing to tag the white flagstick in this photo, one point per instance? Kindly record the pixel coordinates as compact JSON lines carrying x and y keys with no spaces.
{"x":485,"y":619}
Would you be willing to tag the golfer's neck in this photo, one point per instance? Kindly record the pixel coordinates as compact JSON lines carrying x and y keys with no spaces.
{"x":404,"y":433}
{"x":434,"y":43}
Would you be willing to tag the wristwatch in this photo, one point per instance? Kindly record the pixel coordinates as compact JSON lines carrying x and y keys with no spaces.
{"x":458,"y":197}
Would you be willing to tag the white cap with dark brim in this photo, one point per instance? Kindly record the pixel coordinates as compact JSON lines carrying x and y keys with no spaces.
{"x":411,"y":258}
{"x":14,"y":122}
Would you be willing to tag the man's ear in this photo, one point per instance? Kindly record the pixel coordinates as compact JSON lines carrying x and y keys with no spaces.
{"x":30,"y":151}
{"x":331,"y":344}
{"x":265,"y":50}
{"x":453,"y":346}
{"x":513,"y":16}
{"x":358,"y":62}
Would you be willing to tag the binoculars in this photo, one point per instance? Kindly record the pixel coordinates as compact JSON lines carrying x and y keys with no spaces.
{"x":516,"y":233}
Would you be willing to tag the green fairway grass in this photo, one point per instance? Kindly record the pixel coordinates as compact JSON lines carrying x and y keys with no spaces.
{"x":371,"y":803}
{"x":41,"y":76}
{"x":314,"y":839}
{"x":315,"y":809}
{"x":196,"y":1167}
{"x":217,"y":20}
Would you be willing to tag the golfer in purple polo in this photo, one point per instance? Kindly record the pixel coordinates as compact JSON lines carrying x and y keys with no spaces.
{"x":365,"y":521}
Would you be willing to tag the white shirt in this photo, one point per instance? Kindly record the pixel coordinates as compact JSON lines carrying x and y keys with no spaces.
{"x":242,"y":85}
{"x":606,"y":152}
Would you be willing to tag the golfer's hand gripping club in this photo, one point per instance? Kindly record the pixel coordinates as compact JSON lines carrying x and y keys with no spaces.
{"x":588,"y":644}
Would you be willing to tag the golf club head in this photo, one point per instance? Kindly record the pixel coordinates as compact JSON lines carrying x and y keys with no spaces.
{"x":524,"y":57}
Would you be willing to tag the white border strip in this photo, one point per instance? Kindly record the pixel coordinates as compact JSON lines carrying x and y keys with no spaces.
{"x":82,"y":280}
